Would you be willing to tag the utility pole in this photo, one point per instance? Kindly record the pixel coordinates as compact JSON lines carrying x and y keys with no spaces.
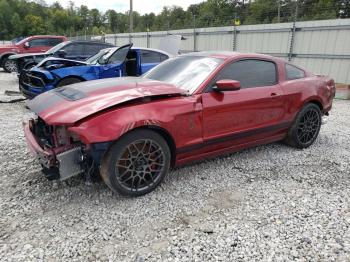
{"x":131,"y":24}
{"x":194,"y":34}
{"x":279,"y":11}
{"x":291,"y":49}
{"x":131,"y":18}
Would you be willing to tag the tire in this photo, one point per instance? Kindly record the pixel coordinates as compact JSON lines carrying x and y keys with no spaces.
{"x":69,"y":81}
{"x":306,"y":127}
{"x":29,"y":65}
{"x":137,"y":163}
{"x":9,"y":65}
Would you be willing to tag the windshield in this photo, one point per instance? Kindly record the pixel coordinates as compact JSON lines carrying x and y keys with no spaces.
{"x":22,"y":41}
{"x":94,"y":59}
{"x":56,"y":48}
{"x":186,"y":72}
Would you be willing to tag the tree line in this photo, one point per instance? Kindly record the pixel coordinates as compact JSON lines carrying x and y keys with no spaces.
{"x":24,"y":18}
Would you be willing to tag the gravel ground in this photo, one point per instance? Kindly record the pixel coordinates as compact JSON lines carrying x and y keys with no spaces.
{"x":269,"y":203}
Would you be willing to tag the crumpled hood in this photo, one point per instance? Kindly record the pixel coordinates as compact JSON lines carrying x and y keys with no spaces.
{"x":69,"y":104}
{"x":60,"y":60}
{"x":52,"y":63}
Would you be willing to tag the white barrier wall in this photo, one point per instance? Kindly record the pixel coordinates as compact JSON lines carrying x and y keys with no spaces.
{"x":322,"y":47}
{"x":5,"y":43}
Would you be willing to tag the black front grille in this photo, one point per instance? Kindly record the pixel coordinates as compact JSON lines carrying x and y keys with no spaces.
{"x":32,"y":79}
{"x":43,"y":133}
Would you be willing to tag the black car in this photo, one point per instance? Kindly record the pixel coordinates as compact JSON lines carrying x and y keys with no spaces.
{"x":77,"y":50}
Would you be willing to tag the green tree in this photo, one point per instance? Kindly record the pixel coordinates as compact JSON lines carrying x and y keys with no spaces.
{"x":34,"y":25}
{"x":25,"y":17}
{"x":16,"y":24}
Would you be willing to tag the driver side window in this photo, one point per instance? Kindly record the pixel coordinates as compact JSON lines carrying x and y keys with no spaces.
{"x":250,"y":73}
{"x":39,"y":42}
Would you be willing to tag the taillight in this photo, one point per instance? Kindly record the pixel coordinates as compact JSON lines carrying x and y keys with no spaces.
{"x":331,"y":83}
{"x":331,"y":87}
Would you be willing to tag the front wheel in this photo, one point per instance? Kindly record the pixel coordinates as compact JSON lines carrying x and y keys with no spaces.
{"x":29,"y":66}
{"x":137,"y":163}
{"x":306,"y":127}
{"x":10,"y":65}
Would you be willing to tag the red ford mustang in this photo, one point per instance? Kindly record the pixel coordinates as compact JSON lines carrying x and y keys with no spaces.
{"x":133,"y":130}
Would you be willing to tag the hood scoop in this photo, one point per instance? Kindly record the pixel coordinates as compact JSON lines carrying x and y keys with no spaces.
{"x":70,"y":94}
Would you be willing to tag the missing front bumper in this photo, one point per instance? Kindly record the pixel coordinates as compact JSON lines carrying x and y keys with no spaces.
{"x":56,"y":165}
{"x":70,"y":163}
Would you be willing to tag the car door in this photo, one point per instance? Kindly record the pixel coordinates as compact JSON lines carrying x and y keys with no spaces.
{"x":256,"y":108}
{"x":150,"y":59}
{"x":38,"y":45}
{"x":114,"y":65}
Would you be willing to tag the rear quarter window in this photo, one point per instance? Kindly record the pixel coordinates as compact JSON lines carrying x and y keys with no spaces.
{"x":55,"y":41}
{"x":292,"y":72}
{"x":148,"y":56}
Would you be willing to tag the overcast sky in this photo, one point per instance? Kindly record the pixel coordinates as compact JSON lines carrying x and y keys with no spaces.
{"x":141,"y":6}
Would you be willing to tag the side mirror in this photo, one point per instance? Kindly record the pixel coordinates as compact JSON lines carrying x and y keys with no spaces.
{"x":227,"y":85}
{"x":26,"y":45}
{"x":61,"y":53}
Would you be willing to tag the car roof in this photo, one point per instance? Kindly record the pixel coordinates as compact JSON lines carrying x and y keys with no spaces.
{"x":48,"y":36}
{"x":92,"y":42}
{"x":154,"y":50}
{"x":146,"y":48}
{"x":231,"y":55}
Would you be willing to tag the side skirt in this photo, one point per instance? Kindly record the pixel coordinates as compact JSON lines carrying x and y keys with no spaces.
{"x":232,"y":143}
{"x":235,"y":148}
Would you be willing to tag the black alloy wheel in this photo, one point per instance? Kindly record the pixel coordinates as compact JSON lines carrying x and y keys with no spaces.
{"x":137,"y":163}
{"x":306,"y":127}
{"x":140,"y":165}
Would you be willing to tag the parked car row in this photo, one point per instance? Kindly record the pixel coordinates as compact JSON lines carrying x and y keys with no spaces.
{"x":111,"y":62}
{"x":33,"y":44}
{"x":157,"y":111}
{"x":77,"y":50}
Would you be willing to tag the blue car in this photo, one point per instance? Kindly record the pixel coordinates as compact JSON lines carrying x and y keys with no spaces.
{"x":111,"y":62}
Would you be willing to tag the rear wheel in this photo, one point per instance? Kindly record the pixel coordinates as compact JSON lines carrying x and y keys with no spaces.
{"x":137,"y":163}
{"x":306,"y":127}
{"x":9,"y":65}
{"x":68,"y":81}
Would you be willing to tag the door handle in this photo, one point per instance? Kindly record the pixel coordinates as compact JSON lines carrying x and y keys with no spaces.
{"x":274,"y":95}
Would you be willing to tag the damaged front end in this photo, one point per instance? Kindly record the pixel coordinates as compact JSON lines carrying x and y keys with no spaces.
{"x":60,"y":152}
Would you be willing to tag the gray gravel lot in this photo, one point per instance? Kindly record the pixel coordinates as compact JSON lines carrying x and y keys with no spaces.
{"x":269,"y":203}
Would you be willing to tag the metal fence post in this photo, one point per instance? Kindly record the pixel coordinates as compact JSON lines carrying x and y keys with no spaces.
{"x":194,"y":34}
{"x":234,"y":47}
{"x":291,"y":47}
{"x":148,"y":36}
{"x":115,"y":40}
